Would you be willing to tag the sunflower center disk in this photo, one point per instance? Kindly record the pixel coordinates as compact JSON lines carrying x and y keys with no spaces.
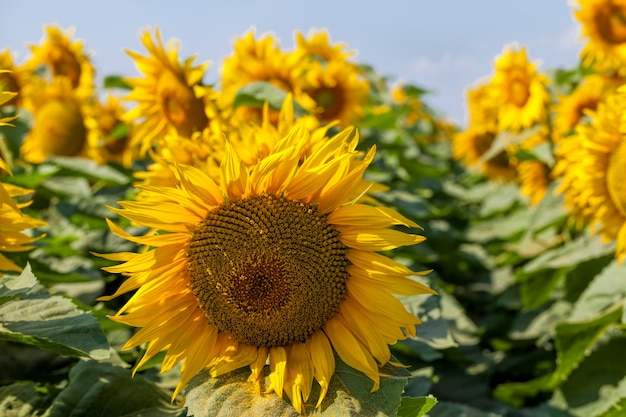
{"x":267,"y":270}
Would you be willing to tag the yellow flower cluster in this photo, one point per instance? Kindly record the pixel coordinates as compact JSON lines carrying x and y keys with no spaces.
{"x":577,"y":119}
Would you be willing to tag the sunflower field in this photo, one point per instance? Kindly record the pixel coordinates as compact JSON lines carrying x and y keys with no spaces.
{"x":308,"y":237}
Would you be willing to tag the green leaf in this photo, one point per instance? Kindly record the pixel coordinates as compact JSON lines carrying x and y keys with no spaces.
{"x":450,"y":409}
{"x":416,"y":407}
{"x":506,"y":138}
{"x":584,"y":248}
{"x":348,"y":395}
{"x":102,"y":390}
{"x":10,"y":285}
{"x":116,"y":81}
{"x":598,"y":386}
{"x":257,"y":93}
{"x":606,"y":289}
{"x":22,"y":399}
{"x":539,"y":288}
{"x":90,"y":170}
{"x":50,"y":322}
{"x":573,"y":340}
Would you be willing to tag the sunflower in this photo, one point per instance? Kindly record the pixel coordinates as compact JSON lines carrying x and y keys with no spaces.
{"x":170,"y":96}
{"x":338,"y":90}
{"x":59,"y":123}
{"x":112,"y":134}
{"x":317,"y":45}
{"x":64,"y":58}
{"x":13,"y":222}
{"x":482,"y":111}
{"x":604,"y":25}
{"x":12,"y":78}
{"x":534,"y":178}
{"x":262,"y":60}
{"x":470,"y":146}
{"x":278,"y":261}
{"x":587,"y":94}
{"x":593,"y":185}
{"x":520,"y":92}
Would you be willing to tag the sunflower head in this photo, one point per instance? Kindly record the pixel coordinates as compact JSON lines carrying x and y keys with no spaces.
{"x":593,"y":180}
{"x":170,"y":96}
{"x":12,"y":78}
{"x":317,"y":45}
{"x":470,"y":146}
{"x":59,"y":122}
{"x":262,"y":59}
{"x":338,"y":90}
{"x":112,"y":135}
{"x":604,"y":26}
{"x":519,"y":92}
{"x":272,"y":261}
{"x":481,"y":108}
{"x":13,"y":222}
{"x":63,"y":57}
{"x":586,"y":96}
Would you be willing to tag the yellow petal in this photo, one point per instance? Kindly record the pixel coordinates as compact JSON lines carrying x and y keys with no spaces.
{"x":278,"y":366}
{"x":323,"y":360}
{"x":351,"y":351}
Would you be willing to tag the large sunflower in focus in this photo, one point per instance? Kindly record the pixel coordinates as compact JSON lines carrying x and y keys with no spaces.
{"x":64,"y":58}
{"x":170,"y":96}
{"x":59,"y":123}
{"x":604,"y":26}
{"x":520,"y":92}
{"x":594,"y":185}
{"x":278,"y":261}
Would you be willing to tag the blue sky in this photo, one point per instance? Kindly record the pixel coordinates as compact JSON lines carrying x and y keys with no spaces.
{"x":444,"y":45}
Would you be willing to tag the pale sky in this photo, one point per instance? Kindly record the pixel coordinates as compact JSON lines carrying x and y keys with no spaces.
{"x":440,"y":45}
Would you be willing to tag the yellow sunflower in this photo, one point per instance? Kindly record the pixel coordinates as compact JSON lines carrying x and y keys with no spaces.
{"x":604,"y":25}
{"x":170,"y":95}
{"x":64,"y":58}
{"x":12,"y":78}
{"x":470,"y":146}
{"x":481,"y":109}
{"x":338,"y":90}
{"x":520,"y":92}
{"x":112,"y":134}
{"x":59,"y":123}
{"x":13,"y":222}
{"x":587,"y":94}
{"x":318,"y":45}
{"x":593,"y":184}
{"x":534,"y":178}
{"x":262,"y":60}
{"x":278,"y":261}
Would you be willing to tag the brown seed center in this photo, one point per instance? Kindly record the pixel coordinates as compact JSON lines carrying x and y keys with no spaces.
{"x":267,"y":270}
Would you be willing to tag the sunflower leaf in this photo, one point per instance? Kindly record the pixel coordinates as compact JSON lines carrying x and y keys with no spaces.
{"x":22,"y":399}
{"x":416,"y":407}
{"x":103,"y":390}
{"x":12,"y":286}
{"x":54,"y":323}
